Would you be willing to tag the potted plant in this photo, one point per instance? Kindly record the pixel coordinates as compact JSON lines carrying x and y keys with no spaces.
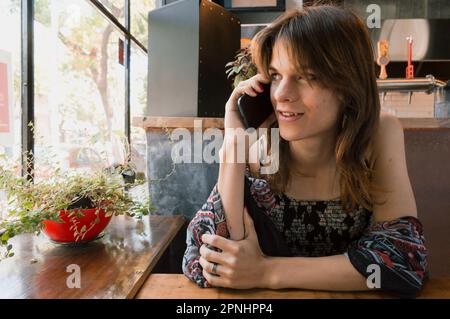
{"x":242,"y":68}
{"x":69,"y":207}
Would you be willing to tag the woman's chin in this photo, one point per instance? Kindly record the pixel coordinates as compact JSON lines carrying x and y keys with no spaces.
{"x":291,"y":136}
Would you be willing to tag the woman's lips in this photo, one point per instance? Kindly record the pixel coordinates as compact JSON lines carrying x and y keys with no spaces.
{"x":289,"y":116}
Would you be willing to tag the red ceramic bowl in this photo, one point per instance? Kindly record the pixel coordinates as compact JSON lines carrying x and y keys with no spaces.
{"x":64,"y":232}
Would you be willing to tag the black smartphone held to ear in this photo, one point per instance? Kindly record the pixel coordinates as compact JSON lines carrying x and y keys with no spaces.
{"x":255,"y":110}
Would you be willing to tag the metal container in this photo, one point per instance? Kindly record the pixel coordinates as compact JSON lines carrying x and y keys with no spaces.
{"x":419,"y":97}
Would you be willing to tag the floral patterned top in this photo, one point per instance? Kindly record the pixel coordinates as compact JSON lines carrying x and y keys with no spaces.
{"x":323,"y":228}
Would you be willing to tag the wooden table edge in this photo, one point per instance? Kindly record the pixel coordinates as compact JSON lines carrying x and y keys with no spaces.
{"x":221,"y":293}
{"x":140,"y":282}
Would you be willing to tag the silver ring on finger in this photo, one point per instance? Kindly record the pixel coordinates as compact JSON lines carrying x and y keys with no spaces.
{"x":214,"y":269}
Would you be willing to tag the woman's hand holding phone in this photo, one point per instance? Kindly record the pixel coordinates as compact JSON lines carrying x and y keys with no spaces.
{"x":250,"y":87}
{"x":233,"y":117}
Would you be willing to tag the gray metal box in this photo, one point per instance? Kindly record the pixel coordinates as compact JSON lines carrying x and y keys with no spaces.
{"x":190,"y":41}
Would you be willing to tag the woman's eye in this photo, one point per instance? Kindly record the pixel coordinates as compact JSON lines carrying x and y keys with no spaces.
{"x":310,"y":77}
{"x":273,"y":76}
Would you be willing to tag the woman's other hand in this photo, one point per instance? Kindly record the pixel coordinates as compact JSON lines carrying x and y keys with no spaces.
{"x":240,"y":264}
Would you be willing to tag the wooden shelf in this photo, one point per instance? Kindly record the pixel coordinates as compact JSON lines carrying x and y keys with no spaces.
{"x":159,"y":123}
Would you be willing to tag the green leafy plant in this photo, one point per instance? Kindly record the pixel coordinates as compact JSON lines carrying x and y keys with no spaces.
{"x":30,"y":202}
{"x":242,"y":68}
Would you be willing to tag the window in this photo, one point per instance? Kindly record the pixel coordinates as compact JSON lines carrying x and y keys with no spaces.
{"x":10,"y":81}
{"x":80,"y":82}
{"x":116,"y":7}
{"x":79,"y":88}
{"x":139,"y":13}
{"x":10,"y":78}
{"x":138,"y":102}
{"x":138,"y":77}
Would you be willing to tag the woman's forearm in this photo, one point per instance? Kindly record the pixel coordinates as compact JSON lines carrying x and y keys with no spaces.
{"x":231,"y":189}
{"x":334,"y":273}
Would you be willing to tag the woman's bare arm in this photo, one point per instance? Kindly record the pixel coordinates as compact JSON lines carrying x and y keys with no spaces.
{"x":334,"y":273}
{"x":234,"y":156}
{"x":231,"y":189}
{"x":391,"y":172}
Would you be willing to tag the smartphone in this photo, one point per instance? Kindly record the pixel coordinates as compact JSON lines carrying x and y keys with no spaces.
{"x":255,"y":110}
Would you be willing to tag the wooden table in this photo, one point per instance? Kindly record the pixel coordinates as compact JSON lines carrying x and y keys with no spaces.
{"x":174,"y":286}
{"x":114,"y":266}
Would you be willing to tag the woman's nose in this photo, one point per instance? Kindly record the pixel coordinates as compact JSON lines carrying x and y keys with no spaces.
{"x":285,"y":91}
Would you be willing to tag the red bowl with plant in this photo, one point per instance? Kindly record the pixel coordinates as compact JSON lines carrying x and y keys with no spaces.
{"x":77,"y":225}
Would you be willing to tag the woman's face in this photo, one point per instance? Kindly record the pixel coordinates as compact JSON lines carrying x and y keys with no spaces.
{"x":316,"y":109}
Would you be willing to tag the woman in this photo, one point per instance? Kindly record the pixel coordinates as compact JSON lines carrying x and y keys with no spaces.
{"x":341,"y":198}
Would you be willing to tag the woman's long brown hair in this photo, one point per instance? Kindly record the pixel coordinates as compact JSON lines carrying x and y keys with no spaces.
{"x":335,"y":44}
